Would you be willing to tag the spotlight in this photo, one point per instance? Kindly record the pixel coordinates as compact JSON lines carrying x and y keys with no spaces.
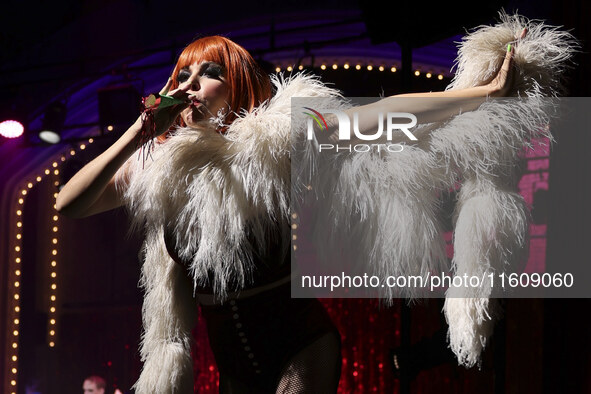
{"x":11,"y":129}
{"x":53,"y":123}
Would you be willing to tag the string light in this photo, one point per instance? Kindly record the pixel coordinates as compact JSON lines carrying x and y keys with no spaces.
{"x":16,"y":272}
{"x":346,"y":66}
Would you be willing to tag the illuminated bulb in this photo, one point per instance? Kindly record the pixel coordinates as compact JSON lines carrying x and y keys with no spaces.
{"x":56,"y":172}
{"x":110,"y":128}
{"x":55,"y":194}
{"x":381,"y":68}
{"x":20,"y":201}
{"x":54,"y":164}
{"x":29,"y":185}
{"x":440,"y":77}
{"x":46,"y":171}
{"x":19,"y":236}
{"x":52,"y":309}
{"x":24,"y":192}
{"x":19,"y":224}
{"x":17,"y":260}
{"x":82,"y":146}
{"x":346,"y":66}
{"x":14,"y":358}
{"x":17,"y":308}
{"x":295,"y":247}
{"x":54,"y":252}
{"x":15,"y":333}
{"x":73,"y":152}
{"x":53,"y":286}
{"x":294,"y":226}
{"x":90,"y":140}
{"x":54,"y":241}
{"x":14,"y":345}
{"x":53,"y":274}
{"x":38,"y":179}
{"x":300,"y":67}
{"x":54,"y":229}
{"x":335,"y":66}
{"x":323,"y":67}
{"x":52,"y":298}
{"x":289,"y":68}
{"x":17,"y":272}
{"x":277,"y":69}
{"x":52,"y":332}
{"x":428,"y":75}
{"x":56,"y":183}
{"x":55,"y":217}
{"x":14,"y":370}
{"x":19,"y":212}
{"x":294,"y":237}
{"x":13,"y":382}
{"x":52,"y":321}
{"x":393,"y":69}
{"x":53,"y":263}
{"x":62,"y":158}
{"x":15,"y":321}
{"x":417,"y":73}
{"x":294,"y":215}
{"x":17,"y":248}
{"x":16,"y":297}
{"x":16,"y":284}
{"x":358,"y":67}
{"x":51,"y":344}
{"x":369,"y":68}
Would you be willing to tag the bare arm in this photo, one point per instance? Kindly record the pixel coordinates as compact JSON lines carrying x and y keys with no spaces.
{"x":428,"y":107}
{"x":92,"y":190}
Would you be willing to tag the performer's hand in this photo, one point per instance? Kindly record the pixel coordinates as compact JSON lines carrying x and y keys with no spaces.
{"x":165,"y":117}
{"x":501,"y":85}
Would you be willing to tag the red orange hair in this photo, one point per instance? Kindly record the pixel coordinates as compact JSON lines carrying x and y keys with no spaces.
{"x":249,"y":84}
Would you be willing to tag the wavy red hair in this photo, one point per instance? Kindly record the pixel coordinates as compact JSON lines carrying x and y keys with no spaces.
{"x":249,"y":85}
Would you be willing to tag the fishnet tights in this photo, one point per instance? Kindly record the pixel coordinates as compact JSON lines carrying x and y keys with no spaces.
{"x":316,"y":369}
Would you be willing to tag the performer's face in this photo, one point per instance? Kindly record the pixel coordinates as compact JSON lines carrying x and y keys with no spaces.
{"x":208,"y":89}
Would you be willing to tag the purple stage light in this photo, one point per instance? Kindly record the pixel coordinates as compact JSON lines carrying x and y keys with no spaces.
{"x":11,"y":129}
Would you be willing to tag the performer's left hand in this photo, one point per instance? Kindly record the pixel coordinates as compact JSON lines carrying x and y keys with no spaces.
{"x":501,"y":85}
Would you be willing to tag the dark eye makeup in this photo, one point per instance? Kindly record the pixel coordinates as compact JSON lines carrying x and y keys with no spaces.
{"x":183,"y":76}
{"x":209,"y":69}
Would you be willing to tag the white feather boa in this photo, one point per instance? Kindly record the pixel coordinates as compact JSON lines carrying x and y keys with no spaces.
{"x":205,"y":189}
{"x":386,"y":206}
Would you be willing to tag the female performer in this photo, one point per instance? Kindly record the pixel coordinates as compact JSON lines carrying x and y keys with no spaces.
{"x":213,"y":198}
